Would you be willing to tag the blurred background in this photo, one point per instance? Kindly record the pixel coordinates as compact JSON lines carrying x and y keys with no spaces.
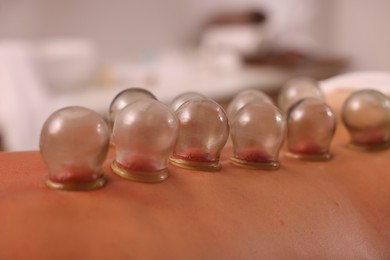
{"x":55,"y":53}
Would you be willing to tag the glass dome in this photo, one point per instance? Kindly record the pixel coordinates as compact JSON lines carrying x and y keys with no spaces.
{"x":366,"y":115}
{"x":311,"y":126}
{"x":204,"y":130}
{"x":124,"y":98}
{"x":145,"y":133}
{"x":258,"y":132}
{"x":74,"y":143}
{"x":184,"y":97}
{"x":297,"y":89}
{"x":246,"y":97}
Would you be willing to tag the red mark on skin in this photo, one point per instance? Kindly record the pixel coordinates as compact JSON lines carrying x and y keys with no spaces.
{"x":74,"y":174}
{"x":370,"y":138}
{"x":255,"y":155}
{"x":139,"y":163}
{"x":307,"y":147}
{"x":281,"y":222}
{"x":195,"y":155}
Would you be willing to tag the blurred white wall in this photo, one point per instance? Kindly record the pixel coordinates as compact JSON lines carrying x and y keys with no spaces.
{"x":120,"y":27}
{"x":352,"y":28}
{"x":125,"y":26}
{"x":359,"y":29}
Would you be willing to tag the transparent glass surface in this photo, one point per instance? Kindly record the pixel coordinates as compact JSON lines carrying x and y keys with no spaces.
{"x":246,"y":97}
{"x":366,"y":115}
{"x":125,"y":98}
{"x":74,"y":142}
{"x":311,"y":126}
{"x":184,"y":97}
{"x":297,"y":89}
{"x":204,"y":130}
{"x":258,"y":132}
{"x":145,"y":133}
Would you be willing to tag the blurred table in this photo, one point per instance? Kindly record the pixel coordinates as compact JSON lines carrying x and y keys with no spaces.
{"x":218,"y":86}
{"x":173,"y":73}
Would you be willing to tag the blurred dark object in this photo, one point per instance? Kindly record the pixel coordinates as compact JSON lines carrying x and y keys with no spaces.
{"x":235,"y":33}
{"x":243,"y":17}
{"x":300,"y":62}
{"x":245,"y":35}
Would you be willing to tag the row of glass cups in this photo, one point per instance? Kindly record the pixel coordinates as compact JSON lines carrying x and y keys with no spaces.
{"x":193,"y":130}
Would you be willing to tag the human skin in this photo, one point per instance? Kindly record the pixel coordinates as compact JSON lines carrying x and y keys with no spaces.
{"x":338,"y":209}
